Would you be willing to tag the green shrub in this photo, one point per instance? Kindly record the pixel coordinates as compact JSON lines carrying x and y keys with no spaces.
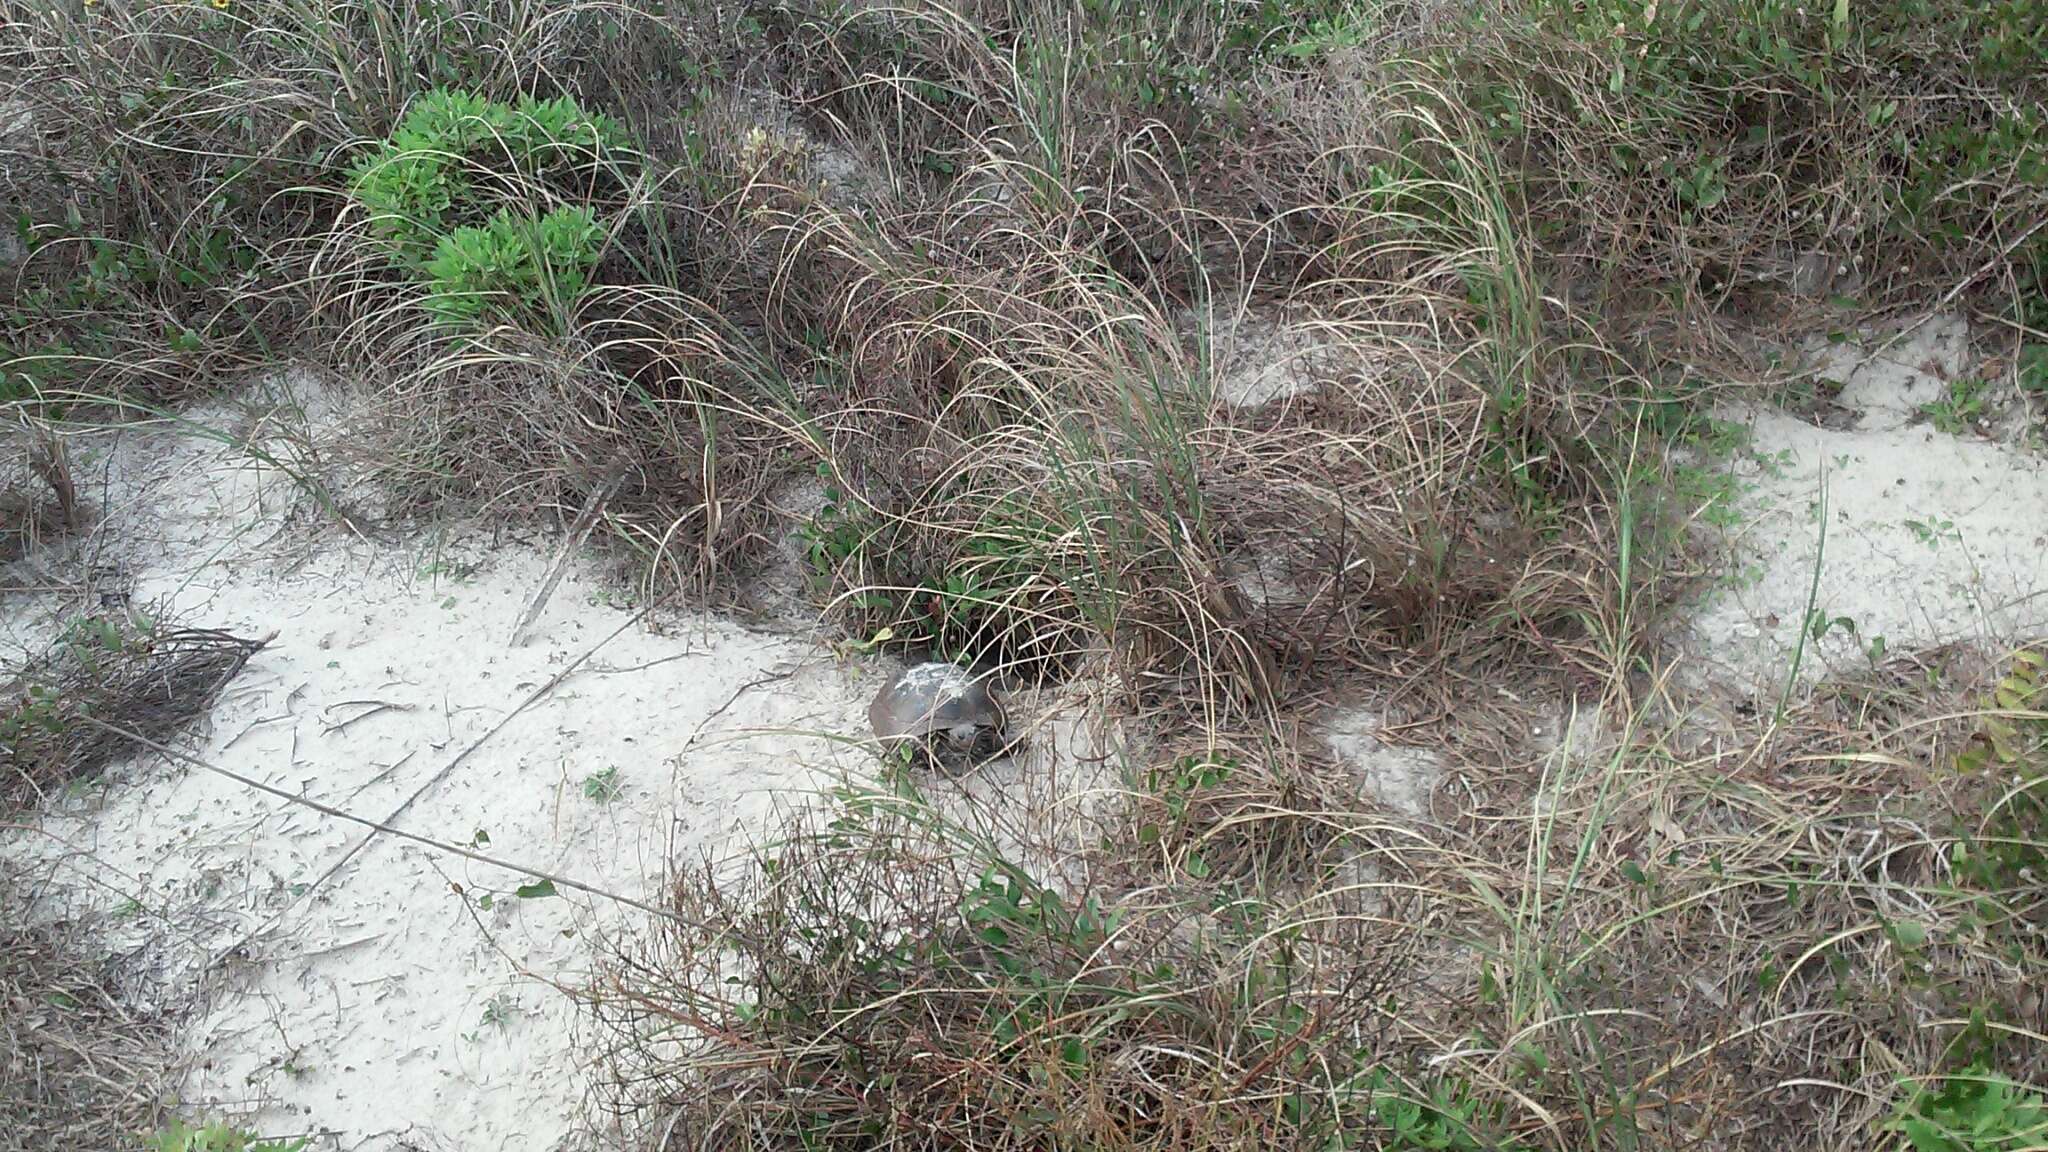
{"x":513,"y":265}
{"x":452,"y":195}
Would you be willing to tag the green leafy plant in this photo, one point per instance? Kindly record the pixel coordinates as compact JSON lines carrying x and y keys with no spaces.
{"x":1447,"y":1117}
{"x":62,"y":325}
{"x":1933,"y":530}
{"x":1346,"y":29}
{"x":2033,"y":369}
{"x":37,"y":711}
{"x":1961,"y":406}
{"x":963,"y":603}
{"x":217,"y":1138}
{"x":836,"y":532}
{"x":1175,"y":787}
{"x":603,"y":786}
{"x":500,"y":1011}
{"x":451,"y":192}
{"x":1975,"y":1110}
{"x":1013,"y":915}
{"x":431,"y":176}
{"x":513,"y":266}
{"x":1709,"y":493}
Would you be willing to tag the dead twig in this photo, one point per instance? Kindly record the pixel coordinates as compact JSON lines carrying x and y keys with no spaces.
{"x":375,"y":826}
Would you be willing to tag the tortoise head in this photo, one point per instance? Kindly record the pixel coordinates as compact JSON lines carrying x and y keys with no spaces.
{"x":972,"y":743}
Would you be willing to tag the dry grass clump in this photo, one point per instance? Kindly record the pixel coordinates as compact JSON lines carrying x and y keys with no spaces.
{"x":1273,"y":814}
{"x":1660,"y":939}
{"x":26,"y":518}
{"x":77,"y":1068}
{"x":1710,"y":151}
{"x":1026,"y":454}
{"x":39,"y":501}
{"x":517,"y":426}
{"x":1419,"y":178}
{"x":145,"y":676}
{"x":160,"y":164}
{"x":1695,"y":934}
{"x":939,"y":345}
{"x":883,"y":978}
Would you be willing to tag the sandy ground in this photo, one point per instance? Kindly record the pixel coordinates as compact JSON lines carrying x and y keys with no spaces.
{"x":1930,"y":537}
{"x":401,"y":1001}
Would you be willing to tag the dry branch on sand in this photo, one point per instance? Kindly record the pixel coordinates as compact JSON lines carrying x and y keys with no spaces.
{"x":120,"y":670}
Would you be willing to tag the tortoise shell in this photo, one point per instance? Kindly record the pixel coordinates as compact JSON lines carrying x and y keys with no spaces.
{"x":942,"y":710}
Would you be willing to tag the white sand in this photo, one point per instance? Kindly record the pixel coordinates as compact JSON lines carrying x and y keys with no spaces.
{"x":382,"y":1006}
{"x":1931,"y":537}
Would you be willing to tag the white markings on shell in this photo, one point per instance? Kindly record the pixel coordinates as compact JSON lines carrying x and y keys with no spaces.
{"x":943,"y":700}
{"x":935,"y":681}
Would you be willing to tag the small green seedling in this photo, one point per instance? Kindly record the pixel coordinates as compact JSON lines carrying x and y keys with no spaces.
{"x":1960,"y":408}
{"x":500,"y":1010}
{"x":603,"y":786}
{"x":1933,"y":530}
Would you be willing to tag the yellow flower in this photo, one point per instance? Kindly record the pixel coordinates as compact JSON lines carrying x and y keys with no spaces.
{"x":219,"y":5}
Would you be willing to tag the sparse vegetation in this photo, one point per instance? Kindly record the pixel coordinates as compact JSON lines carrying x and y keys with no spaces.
{"x":966,"y":1002}
{"x":217,"y":1138}
{"x":977,"y":270}
{"x":1972,"y":1111}
{"x":2008,"y":853}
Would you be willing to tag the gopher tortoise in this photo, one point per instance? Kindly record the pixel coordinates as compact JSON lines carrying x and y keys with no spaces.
{"x":943,"y":715}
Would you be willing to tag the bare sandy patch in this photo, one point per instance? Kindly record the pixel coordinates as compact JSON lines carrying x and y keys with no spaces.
{"x":1898,"y":534}
{"x":376,"y":990}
